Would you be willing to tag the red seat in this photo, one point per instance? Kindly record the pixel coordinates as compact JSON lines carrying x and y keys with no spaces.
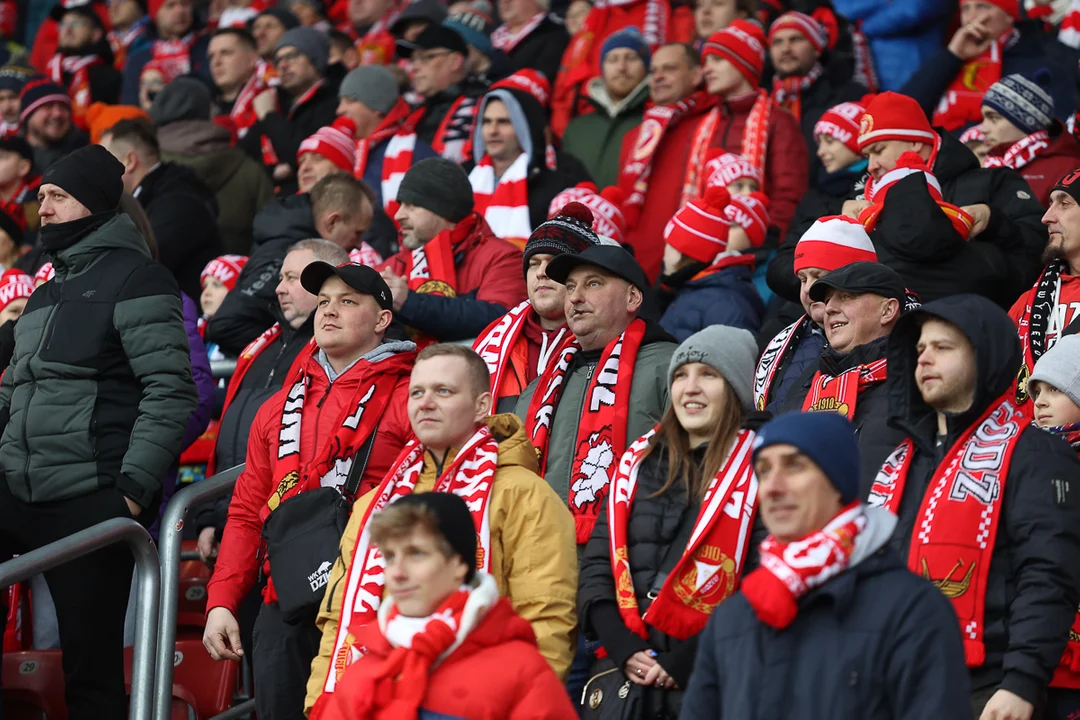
{"x":194,"y":575}
{"x":205,"y":683}
{"x":34,"y":684}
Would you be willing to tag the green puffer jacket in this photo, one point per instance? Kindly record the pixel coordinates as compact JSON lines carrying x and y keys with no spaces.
{"x":596,"y":139}
{"x":99,"y":389}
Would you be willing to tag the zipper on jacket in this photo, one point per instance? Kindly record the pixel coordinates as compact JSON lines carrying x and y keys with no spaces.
{"x":46,"y":339}
{"x":50,"y":327}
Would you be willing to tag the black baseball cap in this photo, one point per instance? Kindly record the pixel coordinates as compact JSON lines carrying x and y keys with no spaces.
{"x":610,"y":258}
{"x":360,"y":278}
{"x":434,"y":37}
{"x":861,"y":277}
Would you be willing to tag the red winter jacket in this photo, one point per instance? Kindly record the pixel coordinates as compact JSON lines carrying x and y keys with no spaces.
{"x":236,"y":569}
{"x":1052,"y":164}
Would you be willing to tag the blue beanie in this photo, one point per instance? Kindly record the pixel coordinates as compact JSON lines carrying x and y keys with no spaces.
{"x":1025,"y":103}
{"x":629,"y":37}
{"x":827,"y":438}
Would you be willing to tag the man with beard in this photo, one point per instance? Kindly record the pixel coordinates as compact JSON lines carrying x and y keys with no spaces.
{"x":171,"y":41}
{"x":84,"y":61}
{"x":45,"y":117}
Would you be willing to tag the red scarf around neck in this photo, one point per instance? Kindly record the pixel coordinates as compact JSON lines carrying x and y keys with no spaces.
{"x":755,"y":143}
{"x":503,"y":344}
{"x":710,"y":566}
{"x":775,"y":354}
{"x":962,"y":102}
{"x":503,"y":39}
{"x":504,"y":202}
{"x":956,"y":528}
{"x":787,"y":92}
{"x":243,"y":114}
{"x":840,"y":394}
{"x":1022,"y":152}
{"x":453,"y":139}
{"x":398,"y":157}
{"x":601,"y":434}
{"x":72,"y":72}
{"x":1034,"y":324}
{"x":430,"y":267}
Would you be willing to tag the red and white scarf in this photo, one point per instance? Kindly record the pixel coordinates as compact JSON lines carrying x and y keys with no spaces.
{"x":398,"y":158}
{"x":710,"y":566}
{"x":601,"y":434}
{"x":1035,"y":322}
{"x":453,"y":139}
{"x":755,"y":143}
{"x":430,"y":267}
{"x":840,"y":394}
{"x":243,"y":110}
{"x":365,"y":255}
{"x":961,"y":104}
{"x":789,"y":571}
{"x":1022,"y":152}
{"x":956,"y":527}
{"x":503,"y":39}
{"x":787,"y":92}
{"x":504,"y":202}
{"x":174,"y":55}
{"x":1069,"y":30}
{"x":76,"y":70}
{"x":497,"y":343}
{"x":773,"y":357}
{"x":469,"y":476}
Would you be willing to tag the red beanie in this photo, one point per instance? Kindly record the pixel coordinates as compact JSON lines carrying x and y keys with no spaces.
{"x":605,"y":206}
{"x":14,"y":284}
{"x":842,"y":123}
{"x":743,"y":43}
{"x":530,"y":82}
{"x":832,"y":242}
{"x":1011,"y":7}
{"x":892,"y":116}
{"x":805,"y":25}
{"x":225,"y":269}
{"x":153,"y":6}
{"x":751,"y":213}
{"x":334,"y":142}
{"x":700,"y":229}
{"x":724,"y":168}
{"x":45,"y":273}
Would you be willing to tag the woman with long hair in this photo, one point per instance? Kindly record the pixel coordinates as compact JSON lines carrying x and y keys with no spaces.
{"x":672,"y":541}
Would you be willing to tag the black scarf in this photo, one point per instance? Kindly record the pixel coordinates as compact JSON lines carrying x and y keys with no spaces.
{"x":61,"y":236}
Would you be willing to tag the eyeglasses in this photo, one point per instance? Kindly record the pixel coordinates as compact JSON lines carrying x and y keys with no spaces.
{"x":423,"y":58}
{"x":285,"y":57}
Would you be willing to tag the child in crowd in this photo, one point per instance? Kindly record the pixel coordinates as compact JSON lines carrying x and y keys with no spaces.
{"x":16,"y":287}
{"x":731,"y":171}
{"x":218,"y":279}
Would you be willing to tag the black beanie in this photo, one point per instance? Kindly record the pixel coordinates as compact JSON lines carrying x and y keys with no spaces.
{"x":91,"y":175}
{"x":438,"y":185}
{"x":455,"y":523}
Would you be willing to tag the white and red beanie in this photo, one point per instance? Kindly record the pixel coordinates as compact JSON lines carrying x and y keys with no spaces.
{"x":724,"y":168}
{"x":530,"y":82}
{"x":841,"y":122}
{"x":751,"y":213}
{"x":892,"y":116}
{"x":743,"y":44}
{"x":225,"y":269}
{"x":808,"y":27}
{"x":15,"y":285}
{"x":45,"y":273}
{"x":700,"y":229}
{"x":833,"y":242}
{"x":334,"y":142}
{"x":605,"y":205}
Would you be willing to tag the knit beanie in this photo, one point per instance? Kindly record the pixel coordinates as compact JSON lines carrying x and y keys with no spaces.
{"x":629,"y":37}
{"x":570,"y":230}
{"x":723,"y":168}
{"x":374,"y":86}
{"x":832,"y":242}
{"x":892,"y":116}
{"x":841,"y":122}
{"x":40,"y":91}
{"x":605,"y":205}
{"x":805,"y":25}
{"x":310,"y":42}
{"x":17,"y":145}
{"x":474,"y":28}
{"x":1025,"y":103}
{"x":15,"y":285}
{"x":527,"y":81}
{"x":91,"y":175}
{"x":438,"y":185}
{"x":743,"y":43}
{"x":454,"y":523}
{"x":44,"y":274}
{"x":13,"y":221}
{"x":1068,"y":184}
{"x":14,"y":77}
{"x":1059,"y":367}
{"x":1011,"y":7}
{"x":730,"y":351}
{"x":225,"y":269}
{"x":827,"y":438}
{"x":334,"y":142}
{"x":185,"y":98}
{"x":751,"y":213}
{"x":283,"y":15}
{"x":700,"y":229}
{"x":101,"y":117}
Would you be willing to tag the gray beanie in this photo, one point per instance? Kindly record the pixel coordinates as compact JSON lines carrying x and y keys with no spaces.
{"x":185,"y":98}
{"x":1060,"y":367}
{"x":310,"y":42}
{"x":438,"y":185}
{"x":731,"y":351}
{"x":372,"y":85}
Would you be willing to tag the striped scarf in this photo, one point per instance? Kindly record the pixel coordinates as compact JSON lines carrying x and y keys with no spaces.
{"x":841,"y":393}
{"x":504,"y":203}
{"x":1022,"y":152}
{"x":398,"y":157}
{"x":787,"y":92}
{"x":755,"y":143}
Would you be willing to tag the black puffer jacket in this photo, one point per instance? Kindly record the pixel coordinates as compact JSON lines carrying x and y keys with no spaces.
{"x":1034,"y":581}
{"x":542,"y":49}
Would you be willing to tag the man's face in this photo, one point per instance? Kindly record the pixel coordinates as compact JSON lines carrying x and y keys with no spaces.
{"x":599,"y":306}
{"x":981,"y":150}
{"x":312,"y":168}
{"x":444,"y":407}
{"x":419,"y":577}
{"x":834,"y":155}
{"x":347,"y":322}
{"x":124,"y":13}
{"x":346,"y":230}
{"x":174,"y":19}
{"x":853,"y":319}
{"x":998,"y":130}
{"x":576,"y":14}
{"x":722,"y":78}
{"x":1063,"y":222}
{"x":672,"y":77}
{"x":50,"y":123}
{"x":232,"y":61}
{"x":996,"y":20}
{"x":267,"y":30}
{"x":517,"y":12}
{"x":418,"y":225}
{"x":792,"y":53}
{"x":498,"y":133}
{"x":548,"y":297}
{"x":794,"y":496}
{"x":295,"y":70}
{"x":622,"y":70}
{"x":57,"y":206}
{"x":807,"y":277}
{"x":1053,"y":408}
{"x":295,"y":302}
{"x":13,"y":310}
{"x":9,"y":106}
{"x":713,"y":15}
{"x":213,"y":293}
{"x":344,"y":54}
{"x":151,"y":82}
{"x":76,"y":31}
{"x":13,"y":168}
{"x":946,"y":368}
{"x":883,"y":155}
{"x":366,"y":12}
{"x":435,"y":70}
{"x":365,"y":118}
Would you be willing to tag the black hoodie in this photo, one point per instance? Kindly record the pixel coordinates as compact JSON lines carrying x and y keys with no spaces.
{"x":1034,"y":581}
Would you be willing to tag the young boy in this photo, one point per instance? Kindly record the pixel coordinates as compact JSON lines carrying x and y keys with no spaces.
{"x":733,"y":172}
{"x":218,"y":279}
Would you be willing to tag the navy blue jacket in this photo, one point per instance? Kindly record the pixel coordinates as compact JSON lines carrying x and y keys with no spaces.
{"x":874,"y":642}
{"x":725,"y":297}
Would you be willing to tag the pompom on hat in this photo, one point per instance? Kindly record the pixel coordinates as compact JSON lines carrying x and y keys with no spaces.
{"x":570,"y":231}
{"x":604,"y":205}
{"x":700,"y":228}
{"x":751,"y":213}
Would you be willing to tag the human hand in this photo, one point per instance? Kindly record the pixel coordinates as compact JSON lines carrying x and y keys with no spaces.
{"x":207,"y":544}
{"x":852,"y":208}
{"x":1004,"y":705}
{"x":980,"y":214}
{"x":638,"y":667}
{"x":399,"y":287}
{"x":970,"y":41}
{"x":265,"y":103}
{"x":221,"y":638}
{"x":133,"y":507}
{"x":282,"y":172}
{"x":659,"y":677}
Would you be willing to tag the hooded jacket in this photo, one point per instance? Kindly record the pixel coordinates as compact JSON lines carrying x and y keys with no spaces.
{"x":533,"y":557}
{"x":1034,"y":582}
{"x":596,"y":138}
{"x":99,"y":390}
{"x":720,"y":294}
{"x":875,"y":641}
{"x":1051,"y":164}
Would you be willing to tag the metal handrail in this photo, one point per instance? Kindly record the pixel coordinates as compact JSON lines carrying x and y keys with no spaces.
{"x":171,"y":535}
{"x":223,"y":369}
{"x":147,"y":582}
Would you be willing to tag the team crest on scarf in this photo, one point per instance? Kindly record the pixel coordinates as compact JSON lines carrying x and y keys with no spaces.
{"x":592,"y":470}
